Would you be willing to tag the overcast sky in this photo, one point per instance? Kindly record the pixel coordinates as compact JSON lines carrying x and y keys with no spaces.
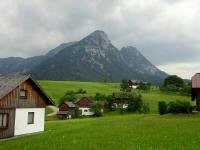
{"x":167,"y":32}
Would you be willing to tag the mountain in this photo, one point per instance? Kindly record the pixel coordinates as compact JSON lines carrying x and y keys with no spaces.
{"x":137,"y":62}
{"x":17,"y":65}
{"x":94,"y":58}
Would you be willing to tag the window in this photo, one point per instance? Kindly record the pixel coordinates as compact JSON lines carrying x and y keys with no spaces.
{"x":85,"y":110}
{"x":3,"y":120}
{"x":31,"y":118}
{"x":23,"y":94}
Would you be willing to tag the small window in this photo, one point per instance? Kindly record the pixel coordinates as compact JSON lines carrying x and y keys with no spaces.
{"x":85,"y":110}
{"x":31,"y":118}
{"x":3,"y":120}
{"x":23,"y":94}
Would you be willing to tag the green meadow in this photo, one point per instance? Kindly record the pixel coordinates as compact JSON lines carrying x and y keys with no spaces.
{"x":113,"y":131}
{"x":56,"y":89}
{"x":120,"y":132}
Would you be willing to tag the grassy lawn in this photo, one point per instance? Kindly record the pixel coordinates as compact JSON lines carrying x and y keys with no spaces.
{"x":122,"y":132}
{"x":56,"y":89}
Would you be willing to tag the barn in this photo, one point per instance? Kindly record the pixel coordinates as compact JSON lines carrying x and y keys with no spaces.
{"x":67,"y":110}
{"x":196,"y":89}
{"x":22,"y":106}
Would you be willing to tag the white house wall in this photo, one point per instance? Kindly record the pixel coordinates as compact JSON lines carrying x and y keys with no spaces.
{"x":86,"y":111}
{"x":21,"y":121}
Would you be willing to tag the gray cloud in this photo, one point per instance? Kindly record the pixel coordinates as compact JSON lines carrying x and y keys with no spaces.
{"x":165,"y":31}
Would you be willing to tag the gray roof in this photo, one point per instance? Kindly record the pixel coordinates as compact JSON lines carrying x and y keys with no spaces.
{"x":76,"y":101}
{"x":70,"y":104}
{"x":10,"y":82}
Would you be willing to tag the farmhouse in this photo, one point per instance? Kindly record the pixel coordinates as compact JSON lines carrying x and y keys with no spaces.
{"x":84,"y":106}
{"x":22,"y":106}
{"x":134,"y":83}
{"x":66,"y":110}
{"x":121,"y":99}
{"x":196,"y":89}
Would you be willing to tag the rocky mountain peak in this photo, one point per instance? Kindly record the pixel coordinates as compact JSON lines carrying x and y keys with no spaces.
{"x":97,"y":38}
{"x":130,"y":50}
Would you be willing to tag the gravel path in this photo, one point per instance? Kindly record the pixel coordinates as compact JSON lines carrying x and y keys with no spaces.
{"x":55,"y":110}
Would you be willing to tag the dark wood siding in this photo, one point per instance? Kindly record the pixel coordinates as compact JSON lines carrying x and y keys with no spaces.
{"x":64,"y":107}
{"x":34,"y":97}
{"x":198,"y":99}
{"x":8,"y":131}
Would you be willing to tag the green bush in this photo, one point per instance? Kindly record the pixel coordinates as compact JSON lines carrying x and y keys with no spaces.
{"x":121,"y":110}
{"x":179,"y":107}
{"x":135,"y":104}
{"x":110,"y":100}
{"x":77,"y":112}
{"x":81,"y":91}
{"x":144,"y":86}
{"x":100,"y":97}
{"x":162,"y":107}
{"x":124,"y":86}
{"x":175,"y":107}
{"x":176,"y":84}
{"x":97,"y":109}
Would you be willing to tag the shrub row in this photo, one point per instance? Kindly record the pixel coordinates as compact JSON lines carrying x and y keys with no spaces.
{"x":174,"y":107}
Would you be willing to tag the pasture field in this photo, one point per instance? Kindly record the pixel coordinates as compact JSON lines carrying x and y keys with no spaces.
{"x":56,"y":89}
{"x":121,"y":132}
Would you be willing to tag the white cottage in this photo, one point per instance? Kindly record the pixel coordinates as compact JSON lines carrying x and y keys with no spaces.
{"x":84,"y":106}
{"x":22,"y":106}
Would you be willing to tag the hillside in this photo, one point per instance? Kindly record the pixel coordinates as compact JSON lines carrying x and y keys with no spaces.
{"x":93,"y":58}
{"x":56,"y":89}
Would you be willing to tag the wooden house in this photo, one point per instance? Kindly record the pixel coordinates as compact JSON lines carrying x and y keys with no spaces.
{"x":121,"y":99}
{"x":22,"y":106}
{"x":196,"y":90}
{"x":84,"y":106}
{"x":134,"y":83}
{"x":66,"y":110}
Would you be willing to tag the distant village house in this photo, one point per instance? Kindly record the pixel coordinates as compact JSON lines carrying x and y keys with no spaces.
{"x":134,"y":83}
{"x":66,"y":110}
{"x":22,"y":106}
{"x":121,"y":99}
{"x":84,"y":105}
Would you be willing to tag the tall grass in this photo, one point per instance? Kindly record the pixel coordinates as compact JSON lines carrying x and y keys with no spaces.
{"x":124,"y":132}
